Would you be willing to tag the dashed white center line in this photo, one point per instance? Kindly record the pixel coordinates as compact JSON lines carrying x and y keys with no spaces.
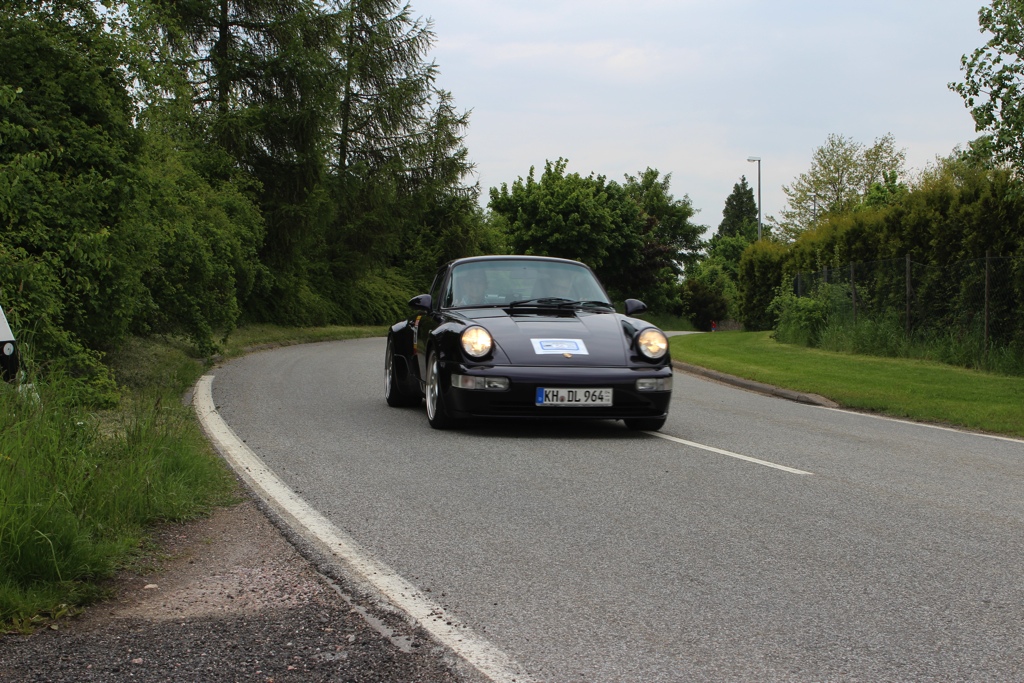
{"x":730,"y":454}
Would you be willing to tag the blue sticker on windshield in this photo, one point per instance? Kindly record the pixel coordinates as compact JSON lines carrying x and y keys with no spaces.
{"x":559,"y":346}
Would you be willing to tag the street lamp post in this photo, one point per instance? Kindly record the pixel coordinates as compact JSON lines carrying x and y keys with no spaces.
{"x":758,"y":160}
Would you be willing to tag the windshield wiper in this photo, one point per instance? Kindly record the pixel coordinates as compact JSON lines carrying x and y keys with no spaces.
{"x":560,"y":303}
{"x":546,"y":301}
{"x":589,"y":304}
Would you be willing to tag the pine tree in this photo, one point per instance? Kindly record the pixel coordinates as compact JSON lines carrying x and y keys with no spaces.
{"x":399,"y":158}
{"x":739,"y":217}
{"x":332,"y":107}
{"x":262,"y":86}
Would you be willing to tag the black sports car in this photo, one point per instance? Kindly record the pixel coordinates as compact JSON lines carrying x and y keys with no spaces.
{"x":527,"y":336}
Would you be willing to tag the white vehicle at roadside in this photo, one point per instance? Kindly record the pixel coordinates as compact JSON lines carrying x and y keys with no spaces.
{"x":8,"y":350}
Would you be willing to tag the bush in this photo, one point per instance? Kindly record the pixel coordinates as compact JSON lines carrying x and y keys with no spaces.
{"x":800,"y":319}
{"x":759,"y":276}
{"x":702,"y":304}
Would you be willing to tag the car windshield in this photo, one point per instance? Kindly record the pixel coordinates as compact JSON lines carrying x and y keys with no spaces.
{"x":522,"y":282}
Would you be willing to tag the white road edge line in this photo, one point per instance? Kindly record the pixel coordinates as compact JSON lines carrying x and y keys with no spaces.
{"x":728,"y":453}
{"x":478,"y":652}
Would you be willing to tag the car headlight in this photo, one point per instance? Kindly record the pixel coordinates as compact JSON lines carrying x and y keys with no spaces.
{"x":652,"y":343}
{"x":476,"y":342}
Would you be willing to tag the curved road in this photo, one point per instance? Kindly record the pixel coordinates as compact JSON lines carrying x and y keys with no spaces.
{"x":765,"y":540}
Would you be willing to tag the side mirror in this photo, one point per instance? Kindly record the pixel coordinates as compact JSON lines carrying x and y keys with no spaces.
{"x":635,"y":307}
{"x":421,"y":302}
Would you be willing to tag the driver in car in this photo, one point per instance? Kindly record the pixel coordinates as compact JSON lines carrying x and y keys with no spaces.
{"x":558,"y":284}
{"x":470,"y":288}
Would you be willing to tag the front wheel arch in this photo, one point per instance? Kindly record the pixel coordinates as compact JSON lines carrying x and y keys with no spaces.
{"x":399,"y":387}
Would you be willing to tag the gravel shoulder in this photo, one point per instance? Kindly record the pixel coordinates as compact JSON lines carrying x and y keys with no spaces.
{"x":230,"y":599}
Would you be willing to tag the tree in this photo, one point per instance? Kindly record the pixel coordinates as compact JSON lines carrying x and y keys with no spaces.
{"x":993,"y":86}
{"x":566,"y":215}
{"x":841,"y":175}
{"x":332,"y":107}
{"x":711,"y":291}
{"x":68,"y":270}
{"x":260,"y":80}
{"x":760,"y":274}
{"x":398,"y":151}
{"x":634,"y":235}
{"x":739,"y":217}
{"x":670,"y":240}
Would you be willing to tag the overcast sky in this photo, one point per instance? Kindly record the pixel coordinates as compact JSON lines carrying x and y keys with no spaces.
{"x":694,"y":87}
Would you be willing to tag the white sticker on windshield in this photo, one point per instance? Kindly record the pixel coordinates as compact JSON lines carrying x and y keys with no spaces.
{"x":545,"y":346}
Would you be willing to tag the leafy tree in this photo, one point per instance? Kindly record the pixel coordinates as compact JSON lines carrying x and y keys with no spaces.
{"x":993,"y":86}
{"x":841,"y":175}
{"x":885,"y":193}
{"x":111,"y":227}
{"x":718,"y":271}
{"x":198,"y":238}
{"x":68,"y":274}
{"x":670,"y":240}
{"x":332,"y":107}
{"x":635,"y":235}
{"x":564,"y":215}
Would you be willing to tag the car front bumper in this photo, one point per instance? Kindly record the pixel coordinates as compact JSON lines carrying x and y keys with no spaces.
{"x":519,"y":400}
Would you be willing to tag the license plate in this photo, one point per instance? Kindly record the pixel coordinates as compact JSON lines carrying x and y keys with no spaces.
{"x":574,"y":397}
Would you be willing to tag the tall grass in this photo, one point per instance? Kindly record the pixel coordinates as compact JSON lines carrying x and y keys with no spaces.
{"x":76,"y":492}
{"x":825,"y":320}
{"x":885,"y":336}
{"x":80,"y":487}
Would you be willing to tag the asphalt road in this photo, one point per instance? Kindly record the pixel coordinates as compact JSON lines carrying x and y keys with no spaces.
{"x":587,"y":552}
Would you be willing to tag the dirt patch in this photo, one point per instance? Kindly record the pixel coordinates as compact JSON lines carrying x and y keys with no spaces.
{"x":232,"y":600}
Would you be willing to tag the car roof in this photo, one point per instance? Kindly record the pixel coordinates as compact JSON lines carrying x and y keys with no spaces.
{"x":514,"y":257}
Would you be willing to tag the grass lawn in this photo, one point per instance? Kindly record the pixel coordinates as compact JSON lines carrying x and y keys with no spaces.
{"x":918,"y":390}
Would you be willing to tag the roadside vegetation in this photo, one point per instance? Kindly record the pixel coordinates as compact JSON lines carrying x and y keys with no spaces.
{"x":79,"y":488}
{"x":901,"y":387}
{"x":668,"y":322}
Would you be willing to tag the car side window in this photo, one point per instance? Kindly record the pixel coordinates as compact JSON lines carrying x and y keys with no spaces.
{"x":435,"y":289}
{"x":448,"y":297}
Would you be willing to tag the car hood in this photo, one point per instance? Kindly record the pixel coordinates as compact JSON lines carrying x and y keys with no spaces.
{"x":589,"y":339}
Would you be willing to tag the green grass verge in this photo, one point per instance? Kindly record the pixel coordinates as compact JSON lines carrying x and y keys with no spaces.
{"x":914,"y":389}
{"x":258,"y":336}
{"x":79,"y":488}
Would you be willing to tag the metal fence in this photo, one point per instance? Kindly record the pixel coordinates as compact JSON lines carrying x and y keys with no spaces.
{"x":983,"y":295}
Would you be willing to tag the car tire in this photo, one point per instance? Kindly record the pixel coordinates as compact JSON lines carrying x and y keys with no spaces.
{"x":437,"y":413}
{"x":645,"y":424}
{"x":396,"y":395}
